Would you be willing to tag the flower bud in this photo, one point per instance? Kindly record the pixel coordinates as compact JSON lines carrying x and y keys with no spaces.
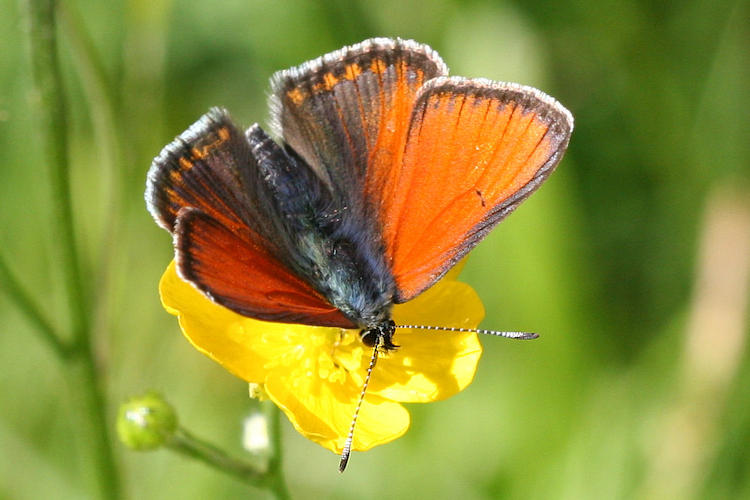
{"x":146,"y":422}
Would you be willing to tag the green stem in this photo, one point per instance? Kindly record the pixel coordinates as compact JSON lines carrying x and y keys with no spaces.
{"x":93,"y":429}
{"x":184,"y":442}
{"x":53,"y":119}
{"x":84,"y":379}
{"x":268,"y":476}
{"x":276,"y":483}
{"x":31,"y":310}
{"x":106,"y":117}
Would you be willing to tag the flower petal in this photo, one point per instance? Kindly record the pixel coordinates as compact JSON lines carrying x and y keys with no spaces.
{"x":224,"y":336}
{"x":322,"y":411}
{"x":315,"y":374}
{"x":432,"y":365}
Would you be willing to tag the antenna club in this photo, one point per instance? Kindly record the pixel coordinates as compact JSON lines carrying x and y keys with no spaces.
{"x":345,"y":456}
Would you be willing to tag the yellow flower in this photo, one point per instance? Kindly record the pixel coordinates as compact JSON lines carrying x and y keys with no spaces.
{"x":315,"y":374}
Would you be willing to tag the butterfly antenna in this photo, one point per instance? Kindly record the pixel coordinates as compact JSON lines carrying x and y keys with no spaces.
{"x":507,"y":335}
{"x":348,"y":443}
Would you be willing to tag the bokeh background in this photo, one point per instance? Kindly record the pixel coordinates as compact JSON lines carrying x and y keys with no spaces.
{"x":632,"y":261}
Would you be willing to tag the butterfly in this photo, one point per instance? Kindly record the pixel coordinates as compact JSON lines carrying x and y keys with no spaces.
{"x":383,"y":174}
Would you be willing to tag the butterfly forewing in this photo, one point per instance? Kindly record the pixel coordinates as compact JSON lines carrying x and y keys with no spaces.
{"x":475,"y":149}
{"x":202,"y":169}
{"x":347,"y":112}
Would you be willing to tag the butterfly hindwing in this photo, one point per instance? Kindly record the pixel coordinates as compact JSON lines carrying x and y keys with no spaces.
{"x":475,"y":149}
{"x":238,"y":272}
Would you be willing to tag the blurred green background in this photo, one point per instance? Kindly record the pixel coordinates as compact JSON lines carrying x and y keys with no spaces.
{"x":632,"y":261}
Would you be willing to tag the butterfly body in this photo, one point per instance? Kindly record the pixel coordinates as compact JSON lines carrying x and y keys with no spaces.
{"x":387,"y":172}
{"x":329,"y":241}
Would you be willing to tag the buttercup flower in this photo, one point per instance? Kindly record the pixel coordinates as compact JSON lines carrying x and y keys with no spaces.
{"x":315,"y":374}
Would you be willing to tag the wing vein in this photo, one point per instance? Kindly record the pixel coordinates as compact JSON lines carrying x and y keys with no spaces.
{"x":446,"y":206}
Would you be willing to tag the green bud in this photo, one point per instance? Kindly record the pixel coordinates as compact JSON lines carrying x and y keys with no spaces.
{"x":146,"y":422}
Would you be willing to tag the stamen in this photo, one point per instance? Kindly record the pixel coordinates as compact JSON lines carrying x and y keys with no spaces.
{"x":348,"y":443}
{"x":508,"y":335}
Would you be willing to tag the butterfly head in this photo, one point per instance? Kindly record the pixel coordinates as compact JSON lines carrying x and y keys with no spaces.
{"x":381,"y":333}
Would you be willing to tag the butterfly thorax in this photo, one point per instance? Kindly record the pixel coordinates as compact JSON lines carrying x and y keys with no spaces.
{"x":352,"y":275}
{"x":349,"y":272}
{"x":330,"y":239}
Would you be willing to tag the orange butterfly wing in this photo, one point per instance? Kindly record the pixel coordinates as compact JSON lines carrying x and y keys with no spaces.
{"x":347,"y":113}
{"x":210,"y":189}
{"x":200,"y":169}
{"x":475,"y":149}
{"x":235,"y":269}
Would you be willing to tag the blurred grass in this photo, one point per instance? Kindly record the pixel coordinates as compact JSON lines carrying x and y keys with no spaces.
{"x":606,"y":261}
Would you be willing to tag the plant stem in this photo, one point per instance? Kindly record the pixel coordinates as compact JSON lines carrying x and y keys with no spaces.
{"x":186,"y":443}
{"x":53,"y":119}
{"x":277,"y":484}
{"x":31,"y":310}
{"x":106,"y":120}
{"x":84,"y":379}
{"x":93,"y":428}
{"x":269,"y":476}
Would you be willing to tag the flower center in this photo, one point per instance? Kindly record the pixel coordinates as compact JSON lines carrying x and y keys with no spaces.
{"x":332,"y":354}
{"x":338,"y":353}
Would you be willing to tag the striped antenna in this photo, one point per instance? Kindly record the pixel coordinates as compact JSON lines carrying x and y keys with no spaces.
{"x":346,"y":452}
{"x":348,"y":443}
{"x":507,"y":335}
